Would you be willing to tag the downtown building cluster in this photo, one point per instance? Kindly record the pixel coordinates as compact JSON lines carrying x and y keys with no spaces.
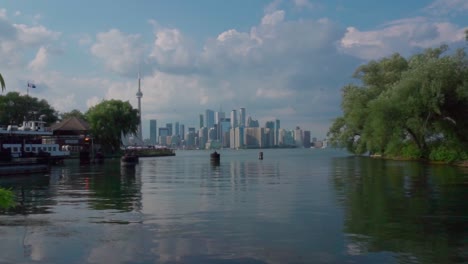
{"x":233,"y":130}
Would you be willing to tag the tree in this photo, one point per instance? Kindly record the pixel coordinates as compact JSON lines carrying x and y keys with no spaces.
{"x":111,"y":119}
{"x":16,"y":108}
{"x":2,"y":83}
{"x":413,"y":108}
{"x":73,"y":113}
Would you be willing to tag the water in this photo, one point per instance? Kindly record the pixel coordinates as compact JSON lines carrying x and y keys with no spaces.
{"x":294,"y":206}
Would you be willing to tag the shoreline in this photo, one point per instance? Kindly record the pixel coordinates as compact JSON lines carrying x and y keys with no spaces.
{"x":463,"y":164}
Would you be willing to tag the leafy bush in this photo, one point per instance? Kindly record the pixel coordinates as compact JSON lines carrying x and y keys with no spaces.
{"x":411,"y":151}
{"x":6,"y":198}
{"x":444,"y":153}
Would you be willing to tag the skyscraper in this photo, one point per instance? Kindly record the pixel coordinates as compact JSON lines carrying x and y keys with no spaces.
{"x":209,"y":118}
{"x":176,"y":129}
{"x":153,"y":132}
{"x":201,"y":121}
{"x":182,"y":131}
{"x":169,"y":129}
{"x":242,"y":117}
{"x":277,"y":128}
{"x":219,"y":116}
{"x":233,"y":119}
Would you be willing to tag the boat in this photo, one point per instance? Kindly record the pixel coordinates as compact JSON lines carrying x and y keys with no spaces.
{"x":13,"y":166}
{"x":215,"y":155}
{"x":29,"y":140}
{"x":129,"y":159}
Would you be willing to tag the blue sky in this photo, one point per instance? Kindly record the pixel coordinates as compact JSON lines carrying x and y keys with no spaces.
{"x":279,"y":59}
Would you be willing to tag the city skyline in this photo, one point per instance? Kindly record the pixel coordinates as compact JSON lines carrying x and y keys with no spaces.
{"x":278,"y":59}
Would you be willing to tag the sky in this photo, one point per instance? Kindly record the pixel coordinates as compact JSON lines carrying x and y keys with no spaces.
{"x":281,"y":59}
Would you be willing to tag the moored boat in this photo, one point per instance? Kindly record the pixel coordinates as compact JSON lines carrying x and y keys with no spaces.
{"x":129,"y":159}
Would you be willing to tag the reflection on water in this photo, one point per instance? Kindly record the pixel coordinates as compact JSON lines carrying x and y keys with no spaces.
{"x":290,"y":207}
{"x":416,"y":210}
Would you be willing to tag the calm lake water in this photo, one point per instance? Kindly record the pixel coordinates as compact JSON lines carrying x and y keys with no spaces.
{"x":294,"y":206}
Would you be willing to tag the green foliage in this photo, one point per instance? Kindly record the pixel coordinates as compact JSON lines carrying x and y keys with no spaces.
{"x":15,"y":108}
{"x":6,"y":198}
{"x":446,"y":153}
{"x":404,"y":106}
{"x":2,"y":83}
{"x":110,"y":120}
{"x":73,"y":113}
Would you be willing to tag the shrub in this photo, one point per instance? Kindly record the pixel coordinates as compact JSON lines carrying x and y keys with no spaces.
{"x":6,"y":198}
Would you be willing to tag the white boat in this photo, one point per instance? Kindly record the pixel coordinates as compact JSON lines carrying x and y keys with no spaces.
{"x":32,"y":128}
{"x":26,"y":141}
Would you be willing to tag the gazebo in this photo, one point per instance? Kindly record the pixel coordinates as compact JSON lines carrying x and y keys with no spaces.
{"x":71,"y":133}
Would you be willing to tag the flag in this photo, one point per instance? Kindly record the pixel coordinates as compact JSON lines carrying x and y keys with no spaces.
{"x":31,"y":85}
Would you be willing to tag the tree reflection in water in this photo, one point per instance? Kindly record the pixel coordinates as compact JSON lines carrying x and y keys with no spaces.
{"x":415,"y":210}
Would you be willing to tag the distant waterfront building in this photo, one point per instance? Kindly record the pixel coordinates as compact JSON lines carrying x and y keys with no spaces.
{"x":298,"y":137}
{"x":176,"y":129}
{"x":277,"y":128}
{"x":163,"y":134}
{"x":209,"y":118}
{"x":242,"y":117}
{"x":219,"y":116}
{"x":254,"y":137}
{"x":190,"y":139}
{"x":202,"y":137}
{"x":201,"y":121}
{"x":306,"y":139}
{"x":212,"y":134}
{"x":286,"y":138}
{"x":233,"y":118}
{"x":182,"y":131}
{"x":232,"y":138}
{"x":153,"y":132}
{"x":223,"y":130}
{"x":239,"y":137}
{"x":252,"y":123}
{"x":169,"y":129}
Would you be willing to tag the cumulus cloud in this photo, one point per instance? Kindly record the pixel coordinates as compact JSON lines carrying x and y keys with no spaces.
{"x":273,"y":18}
{"x":16,"y":40}
{"x":40,"y":61}
{"x":403,"y":35}
{"x":447,"y":7}
{"x":171,"y":50}
{"x":121,"y":53}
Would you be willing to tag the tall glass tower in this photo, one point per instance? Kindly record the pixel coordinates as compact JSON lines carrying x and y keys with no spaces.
{"x":153,"y":133}
{"x":242,"y":118}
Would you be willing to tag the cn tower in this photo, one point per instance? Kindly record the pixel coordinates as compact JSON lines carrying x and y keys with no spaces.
{"x":139,"y":94}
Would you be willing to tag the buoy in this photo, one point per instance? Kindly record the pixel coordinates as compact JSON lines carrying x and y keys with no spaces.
{"x":260,"y":155}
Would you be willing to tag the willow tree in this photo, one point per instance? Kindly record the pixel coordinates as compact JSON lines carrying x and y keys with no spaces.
{"x":111,"y":119}
{"x":2,"y":83}
{"x":416,"y":108}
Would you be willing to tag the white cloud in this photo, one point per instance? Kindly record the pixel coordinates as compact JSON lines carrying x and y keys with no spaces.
{"x":40,"y":61}
{"x":305,"y":4}
{"x":121,"y":53}
{"x":3,"y":13}
{"x":445,"y":7}
{"x":35,"y":35}
{"x":273,"y":18}
{"x":401,"y":36}
{"x":92,"y":101}
{"x":18,"y":41}
{"x":171,"y":49}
